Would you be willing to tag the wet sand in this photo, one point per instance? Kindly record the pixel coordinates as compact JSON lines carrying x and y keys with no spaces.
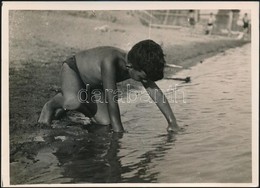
{"x":71,"y":151}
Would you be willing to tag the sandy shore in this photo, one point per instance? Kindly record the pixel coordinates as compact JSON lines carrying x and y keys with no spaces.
{"x":40,"y":41}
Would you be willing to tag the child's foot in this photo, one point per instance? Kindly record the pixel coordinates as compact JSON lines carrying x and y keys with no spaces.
{"x":59,"y":113}
{"x":46,"y":114}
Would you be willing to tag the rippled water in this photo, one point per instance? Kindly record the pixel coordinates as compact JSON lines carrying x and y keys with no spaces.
{"x":214,"y":108}
{"x":217,"y":143}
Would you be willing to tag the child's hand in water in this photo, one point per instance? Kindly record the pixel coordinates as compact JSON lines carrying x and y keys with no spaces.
{"x":173,"y":127}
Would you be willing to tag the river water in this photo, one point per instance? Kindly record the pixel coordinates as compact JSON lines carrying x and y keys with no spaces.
{"x":215,"y":146}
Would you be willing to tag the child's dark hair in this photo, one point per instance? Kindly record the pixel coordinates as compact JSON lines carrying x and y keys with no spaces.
{"x":148,"y":56}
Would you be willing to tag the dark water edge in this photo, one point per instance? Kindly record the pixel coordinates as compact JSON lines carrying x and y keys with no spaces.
{"x":83,"y":157}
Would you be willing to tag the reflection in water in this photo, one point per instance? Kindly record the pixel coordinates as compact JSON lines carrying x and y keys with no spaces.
{"x":95,"y":159}
{"x":143,"y":175}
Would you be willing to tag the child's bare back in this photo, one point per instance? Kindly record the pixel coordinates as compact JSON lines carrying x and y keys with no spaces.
{"x":89,"y":62}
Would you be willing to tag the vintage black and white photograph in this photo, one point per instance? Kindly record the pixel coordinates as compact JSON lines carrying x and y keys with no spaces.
{"x":158,"y":94}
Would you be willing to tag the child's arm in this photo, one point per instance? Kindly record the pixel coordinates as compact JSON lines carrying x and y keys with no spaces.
{"x":161,"y":101}
{"x":108,"y":71}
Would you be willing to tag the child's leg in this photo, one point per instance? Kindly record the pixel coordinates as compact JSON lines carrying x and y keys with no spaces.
{"x":71,"y":85}
{"x":98,"y":106}
{"x":49,"y":108}
{"x":68,"y":99}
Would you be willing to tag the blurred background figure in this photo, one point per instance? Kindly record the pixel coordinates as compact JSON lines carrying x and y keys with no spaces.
{"x":210,"y":24}
{"x":246,"y":23}
{"x":191,"y":20}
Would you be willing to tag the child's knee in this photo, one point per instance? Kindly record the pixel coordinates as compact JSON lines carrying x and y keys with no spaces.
{"x":71,"y":103}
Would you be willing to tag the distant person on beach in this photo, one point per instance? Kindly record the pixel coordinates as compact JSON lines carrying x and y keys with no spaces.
{"x":210,"y":24}
{"x":246,"y":23}
{"x":191,"y":21}
{"x":98,"y":70}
